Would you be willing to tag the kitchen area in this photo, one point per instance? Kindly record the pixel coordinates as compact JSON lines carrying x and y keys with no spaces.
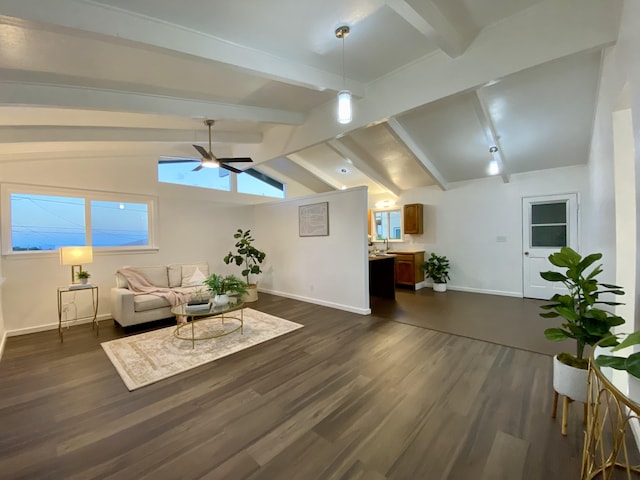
{"x":391,"y":267}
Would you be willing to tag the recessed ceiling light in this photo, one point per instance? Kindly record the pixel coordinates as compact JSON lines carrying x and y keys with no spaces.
{"x":343,"y":170}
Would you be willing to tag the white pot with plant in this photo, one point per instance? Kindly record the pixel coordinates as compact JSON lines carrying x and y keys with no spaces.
{"x":437,"y":269}
{"x":222,"y":286}
{"x":83,"y":276}
{"x":249,"y":258}
{"x":583,"y":321}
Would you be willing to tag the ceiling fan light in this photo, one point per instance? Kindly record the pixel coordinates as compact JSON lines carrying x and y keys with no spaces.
{"x":206,"y":163}
{"x":344,"y":106}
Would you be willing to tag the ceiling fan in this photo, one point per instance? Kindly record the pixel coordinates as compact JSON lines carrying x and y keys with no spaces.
{"x":208,"y":160}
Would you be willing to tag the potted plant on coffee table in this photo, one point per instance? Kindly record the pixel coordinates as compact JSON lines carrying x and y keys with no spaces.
{"x":437,"y":269}
{"x":582,"y":320}
{"x":250,"y":258}
{"x":222,"y":286}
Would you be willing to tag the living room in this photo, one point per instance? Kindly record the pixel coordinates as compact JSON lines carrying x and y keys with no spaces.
{"x":462,"y":221}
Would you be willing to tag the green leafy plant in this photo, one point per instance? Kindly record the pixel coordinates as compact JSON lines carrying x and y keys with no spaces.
{"x":220,"y":284}
{"x":82,"y":274}
{"x":583,"y":321}
{"x":436,"y":268}
{"x":246,"y":254}
{"x":631,"y":363}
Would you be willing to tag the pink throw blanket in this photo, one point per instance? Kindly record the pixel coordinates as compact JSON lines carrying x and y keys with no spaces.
{"x":139,"y":285}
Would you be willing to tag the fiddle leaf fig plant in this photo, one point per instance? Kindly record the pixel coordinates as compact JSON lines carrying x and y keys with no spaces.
{"x":436,"y":268}
{"x":631,"y":363}
{"x":583,"y":321}
{"x":246,"y":254}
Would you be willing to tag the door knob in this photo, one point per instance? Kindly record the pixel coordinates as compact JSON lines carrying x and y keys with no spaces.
{"x":526,"y":253}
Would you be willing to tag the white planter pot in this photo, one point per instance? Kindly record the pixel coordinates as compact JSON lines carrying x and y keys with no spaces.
{"x":439,"y":287}
{"x":221,"y":299}
{"x":570,"y":381}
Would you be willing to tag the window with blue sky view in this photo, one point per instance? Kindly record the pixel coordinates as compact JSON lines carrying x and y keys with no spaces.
{"x":48,"y":222}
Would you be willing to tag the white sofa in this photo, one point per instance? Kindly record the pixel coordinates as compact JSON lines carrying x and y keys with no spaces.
{"x":129,"y":309}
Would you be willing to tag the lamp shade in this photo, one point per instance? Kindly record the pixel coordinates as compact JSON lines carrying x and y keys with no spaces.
{"x":344,"y":106}
{"x":76,"y":255}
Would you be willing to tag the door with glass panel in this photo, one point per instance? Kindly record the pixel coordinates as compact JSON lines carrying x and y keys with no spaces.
{"x":549,"y":223}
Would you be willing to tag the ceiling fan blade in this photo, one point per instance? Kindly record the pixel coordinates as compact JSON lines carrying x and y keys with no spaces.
{"x":203,"y":152}
{"x":199,"y":167}
{"x":230,"y":168}
{"x":236,"y":159}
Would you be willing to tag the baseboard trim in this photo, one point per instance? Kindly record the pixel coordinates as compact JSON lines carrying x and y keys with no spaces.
{"x":486,"y":292}
{"x":315,"y":301}
{"x":52,"y":326}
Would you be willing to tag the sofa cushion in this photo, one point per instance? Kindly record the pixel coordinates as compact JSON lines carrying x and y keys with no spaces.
{"x":174,"y":271}
{"x":142,"y":303}
{"x":193,"y":276}
{"x":156,"y":275}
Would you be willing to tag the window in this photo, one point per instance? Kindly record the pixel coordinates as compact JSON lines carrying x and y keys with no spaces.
{"x":257,"y":183}
{"x":45,"y":219}
{"x":180,"y":171}
{"x":251,"y":181}
{"x":387,"y":224}
{"x":549,"y":224}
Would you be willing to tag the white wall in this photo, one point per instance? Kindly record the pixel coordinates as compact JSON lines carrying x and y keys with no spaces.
{"x":621,"y":70}
{"x":194,"y":225}
{"x":329,"y":270}
{"x":464,"y":224}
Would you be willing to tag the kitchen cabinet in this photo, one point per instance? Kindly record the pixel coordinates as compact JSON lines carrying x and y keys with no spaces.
{"x":408,"y":271}
{"x":413,"y":218}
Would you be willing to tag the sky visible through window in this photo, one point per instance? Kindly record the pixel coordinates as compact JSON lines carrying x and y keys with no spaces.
{"x":47,"y":222}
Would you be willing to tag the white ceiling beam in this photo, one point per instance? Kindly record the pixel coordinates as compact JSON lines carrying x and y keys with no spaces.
{"x":296,"y":158}
{"x":96,"y":99}
{"x":493,"y":140}
{"x":580,"y":25}
{"x":427,"y":18}
{"x":35,"y":134}
{"x":405,"y":138}
{"x":362,"y":161}
{"x":120,"y":24}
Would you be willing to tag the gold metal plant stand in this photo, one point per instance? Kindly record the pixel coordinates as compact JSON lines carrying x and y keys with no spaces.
{"x":612,"y":406}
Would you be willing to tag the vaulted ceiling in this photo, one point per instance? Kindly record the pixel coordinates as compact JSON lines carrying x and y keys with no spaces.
{"x":436,"y":84}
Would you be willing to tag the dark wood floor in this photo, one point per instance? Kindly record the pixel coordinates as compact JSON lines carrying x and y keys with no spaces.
{"x":346,"y":397}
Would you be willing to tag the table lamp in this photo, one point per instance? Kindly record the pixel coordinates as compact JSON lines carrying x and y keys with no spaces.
{"x":75,"y":256}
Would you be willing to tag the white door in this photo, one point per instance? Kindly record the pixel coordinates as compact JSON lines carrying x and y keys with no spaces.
{"x":548,"y":223}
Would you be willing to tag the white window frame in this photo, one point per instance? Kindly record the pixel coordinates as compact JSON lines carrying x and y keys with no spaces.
{"x":7,"y":189}
{"x":387,"y":210}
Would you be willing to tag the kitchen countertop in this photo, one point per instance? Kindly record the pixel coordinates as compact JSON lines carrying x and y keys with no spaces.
{"x":405,"y":251}
{"x":381,"y":257}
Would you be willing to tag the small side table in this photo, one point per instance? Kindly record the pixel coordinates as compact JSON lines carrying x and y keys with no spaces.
{"x":94,"y":300}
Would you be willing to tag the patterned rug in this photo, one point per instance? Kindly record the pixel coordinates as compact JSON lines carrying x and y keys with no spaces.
{"x":151,"y":356}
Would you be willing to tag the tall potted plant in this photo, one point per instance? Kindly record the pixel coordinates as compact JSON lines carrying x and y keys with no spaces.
{"x":437,"y":269}
{"x":250,"y":258}
{"x":582,"y":320}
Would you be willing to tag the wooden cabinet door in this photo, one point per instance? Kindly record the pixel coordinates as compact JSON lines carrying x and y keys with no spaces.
{"x":405,"y":270}
{"x":413,"y":223}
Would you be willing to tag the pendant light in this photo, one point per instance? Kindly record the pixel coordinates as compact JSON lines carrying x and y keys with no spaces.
{"x":344,"y":96}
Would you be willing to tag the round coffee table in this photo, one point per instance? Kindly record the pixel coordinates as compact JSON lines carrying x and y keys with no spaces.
{"x":208,"y":321}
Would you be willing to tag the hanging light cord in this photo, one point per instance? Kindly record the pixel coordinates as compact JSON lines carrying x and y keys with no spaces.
{"x":344,"y":82}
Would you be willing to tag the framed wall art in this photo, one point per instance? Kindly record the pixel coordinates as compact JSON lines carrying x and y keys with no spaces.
{"x":313,"y":220}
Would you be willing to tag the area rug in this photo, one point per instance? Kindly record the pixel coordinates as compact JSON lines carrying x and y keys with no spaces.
{"x":151,"y":356}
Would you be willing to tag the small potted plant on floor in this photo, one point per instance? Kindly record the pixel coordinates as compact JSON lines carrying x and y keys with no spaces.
{"x":222,"y":286}
{"x":582,"y":320}
{"x":250,"y":258}
{"x":437,"y":269}
{"x":83,"y":276}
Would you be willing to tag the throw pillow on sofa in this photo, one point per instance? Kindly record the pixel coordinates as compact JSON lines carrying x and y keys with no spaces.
{"x":193,"y":275}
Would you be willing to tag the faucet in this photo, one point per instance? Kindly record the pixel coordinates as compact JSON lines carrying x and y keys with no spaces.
{"x":386,"y":244}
